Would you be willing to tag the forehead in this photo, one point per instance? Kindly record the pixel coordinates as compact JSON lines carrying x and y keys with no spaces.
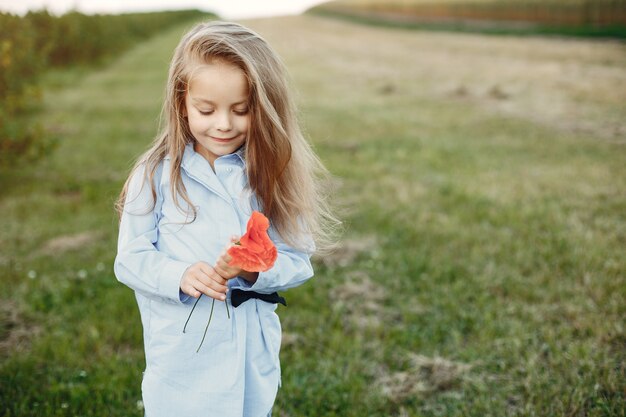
{"x":218,"y":81}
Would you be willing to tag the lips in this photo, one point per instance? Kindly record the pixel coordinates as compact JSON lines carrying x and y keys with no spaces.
{"x":222,"y":139}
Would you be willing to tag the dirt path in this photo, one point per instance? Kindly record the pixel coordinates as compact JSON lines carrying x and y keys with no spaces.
{"x":571,"y":85}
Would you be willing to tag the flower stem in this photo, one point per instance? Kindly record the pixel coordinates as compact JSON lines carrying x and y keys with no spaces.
{"x":227,"y":311}
{"x":207,"y":326}
{"x":192,"y":309}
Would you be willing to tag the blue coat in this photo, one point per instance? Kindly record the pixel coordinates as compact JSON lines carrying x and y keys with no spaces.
{"x":237,"y":371}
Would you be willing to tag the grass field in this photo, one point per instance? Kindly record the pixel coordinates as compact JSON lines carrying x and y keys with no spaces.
{"x":482,"y":181}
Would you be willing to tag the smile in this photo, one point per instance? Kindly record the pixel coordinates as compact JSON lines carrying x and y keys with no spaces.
{"x":222,"y":139}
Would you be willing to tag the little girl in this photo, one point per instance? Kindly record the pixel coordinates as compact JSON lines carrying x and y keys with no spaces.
{"x":230,"y":144}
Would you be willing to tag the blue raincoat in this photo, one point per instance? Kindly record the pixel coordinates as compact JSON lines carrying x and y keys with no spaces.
{"x":236,"y":373}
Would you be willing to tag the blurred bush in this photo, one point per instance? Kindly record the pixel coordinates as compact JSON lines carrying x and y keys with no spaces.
{"x":29,"y":44}
{"x":20,"y":64}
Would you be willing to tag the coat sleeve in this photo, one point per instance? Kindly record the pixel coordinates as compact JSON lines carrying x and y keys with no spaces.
{"x":138,"y":263}
{"x":292,"y":268}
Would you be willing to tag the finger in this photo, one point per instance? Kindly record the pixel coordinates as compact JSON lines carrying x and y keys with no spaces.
{"x":190,"y":291}
{"x":218,"y":295}
{"x":227,"y":272}
{"x":223,"y":263}
{"x":205,"y":268}
{"x":224,"y":267}
{"x":220,"y":270}
{"x":220,"y":278}
{"x":209,"y":274}
{"x":216,"y":286}
{"x":225,"y":256}
{"x":214,"y":281}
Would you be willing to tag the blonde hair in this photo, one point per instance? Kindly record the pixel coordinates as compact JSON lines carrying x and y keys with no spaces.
{"x":283,"y":171}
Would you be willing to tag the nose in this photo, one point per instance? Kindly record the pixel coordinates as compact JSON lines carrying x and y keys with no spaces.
{"x":224,"y":123}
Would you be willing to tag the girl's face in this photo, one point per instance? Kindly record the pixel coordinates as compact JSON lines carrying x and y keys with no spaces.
{"x":216,"y":106}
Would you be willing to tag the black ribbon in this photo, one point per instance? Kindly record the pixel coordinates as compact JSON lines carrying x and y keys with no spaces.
{"x":237,"y":297}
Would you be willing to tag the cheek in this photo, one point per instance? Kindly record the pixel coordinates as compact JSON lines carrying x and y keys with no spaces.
{"x":196,"y":123}
{"x":244,"y":124}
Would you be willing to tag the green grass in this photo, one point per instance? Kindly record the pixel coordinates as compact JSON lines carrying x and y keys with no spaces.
{"x":490,"y":245}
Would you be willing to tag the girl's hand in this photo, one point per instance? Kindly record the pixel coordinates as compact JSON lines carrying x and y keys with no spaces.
{"x":227,"y":271}
{"x":200,"y":278}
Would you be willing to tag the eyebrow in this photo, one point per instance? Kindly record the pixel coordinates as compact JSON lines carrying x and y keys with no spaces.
{"x":203,"y":100}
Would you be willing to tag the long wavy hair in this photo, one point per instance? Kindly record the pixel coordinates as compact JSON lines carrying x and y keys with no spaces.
{"x":287,"y":177}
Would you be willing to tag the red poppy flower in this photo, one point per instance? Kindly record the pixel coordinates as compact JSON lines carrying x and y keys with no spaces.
{"x":255,"y":252}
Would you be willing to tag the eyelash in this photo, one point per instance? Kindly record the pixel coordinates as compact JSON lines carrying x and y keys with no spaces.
{"x":238,"y":113}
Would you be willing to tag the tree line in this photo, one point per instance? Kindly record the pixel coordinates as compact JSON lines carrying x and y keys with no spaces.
{"x":39,"y":40}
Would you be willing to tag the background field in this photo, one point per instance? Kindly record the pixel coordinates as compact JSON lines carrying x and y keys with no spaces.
{"x":603,"y":18}
{"x":483,"y":185}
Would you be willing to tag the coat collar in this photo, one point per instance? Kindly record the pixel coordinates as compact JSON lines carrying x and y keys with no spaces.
{"x":239,"y":155}
{"x":198,"y":168}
